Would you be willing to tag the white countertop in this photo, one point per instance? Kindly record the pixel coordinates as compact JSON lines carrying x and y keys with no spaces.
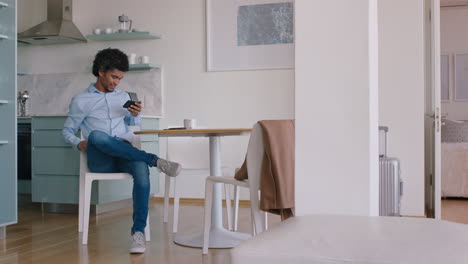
{"x":25,"y":117}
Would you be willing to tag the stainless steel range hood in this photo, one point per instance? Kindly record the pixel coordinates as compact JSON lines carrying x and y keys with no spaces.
{"x":57,"y":29}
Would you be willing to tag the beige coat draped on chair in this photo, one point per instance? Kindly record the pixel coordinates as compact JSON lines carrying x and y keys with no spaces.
{"x":277,"y":176}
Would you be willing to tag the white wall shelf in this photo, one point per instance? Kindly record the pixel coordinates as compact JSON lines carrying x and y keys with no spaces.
{"x":3,"y":36}
{"x":3,"y":101}
{"x":3,"y":142}
{"x":124,"y":36}
{"x":139,"y":67}
{"x":143,"y":67}
{"x":3,"y":4}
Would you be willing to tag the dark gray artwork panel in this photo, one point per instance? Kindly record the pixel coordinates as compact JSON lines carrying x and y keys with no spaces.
{"x":265,"y":24}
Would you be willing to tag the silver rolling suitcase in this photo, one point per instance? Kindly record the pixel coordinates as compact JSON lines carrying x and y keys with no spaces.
{"x":391,"y":186}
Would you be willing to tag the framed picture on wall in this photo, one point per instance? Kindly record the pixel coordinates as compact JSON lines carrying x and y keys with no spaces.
{"x":445,"y":77}
{"x":249,"y":34}
{"x":461,"y":77}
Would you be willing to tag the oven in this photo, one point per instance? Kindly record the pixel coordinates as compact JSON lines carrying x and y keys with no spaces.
{"x":24,"y":151}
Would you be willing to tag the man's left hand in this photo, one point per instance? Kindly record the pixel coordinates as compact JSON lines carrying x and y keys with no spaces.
{"x":135,"y":109}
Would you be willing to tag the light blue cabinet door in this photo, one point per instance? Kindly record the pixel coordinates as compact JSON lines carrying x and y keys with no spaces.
{"x":55,"y":165}
{"x":8,"y":174}
{"x":58,"y":189}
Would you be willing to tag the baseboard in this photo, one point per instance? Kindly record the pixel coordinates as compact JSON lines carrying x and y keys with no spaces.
{"x":199,"y":201}
{"x":415,"y":216}
{"x":117,"y":205}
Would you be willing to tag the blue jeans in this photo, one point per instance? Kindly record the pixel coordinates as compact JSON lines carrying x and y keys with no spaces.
{"x":107,"y":154}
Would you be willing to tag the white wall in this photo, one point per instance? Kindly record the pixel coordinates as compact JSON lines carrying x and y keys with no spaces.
{"x":454,"y":39}
{"x":336,"y":102}
{"x":401,"y":43}
{"x":215,"y":99}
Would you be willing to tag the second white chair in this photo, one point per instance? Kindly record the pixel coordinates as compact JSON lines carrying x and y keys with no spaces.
{"x":86,"y":181}
{"x":255,"y":152}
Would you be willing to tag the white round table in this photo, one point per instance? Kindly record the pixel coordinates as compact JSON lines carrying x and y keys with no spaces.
{"x":219,"y":236}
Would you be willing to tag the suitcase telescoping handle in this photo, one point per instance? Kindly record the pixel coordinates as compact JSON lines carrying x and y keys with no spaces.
{"x":385,"y":130}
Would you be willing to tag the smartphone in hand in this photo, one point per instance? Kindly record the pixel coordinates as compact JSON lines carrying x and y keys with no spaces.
{"x":132,"y":101}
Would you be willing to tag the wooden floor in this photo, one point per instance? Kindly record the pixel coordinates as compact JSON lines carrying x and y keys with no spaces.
{"x":53,"y":238}
{"x":455,"y":210}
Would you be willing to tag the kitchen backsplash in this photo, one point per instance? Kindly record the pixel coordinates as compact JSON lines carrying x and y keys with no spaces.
{"x":50,"y":94}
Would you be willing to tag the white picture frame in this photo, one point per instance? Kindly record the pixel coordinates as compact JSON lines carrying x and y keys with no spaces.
{"x":224,"y":53}
{"x":445,"y":72}
{"x":461,"y":77}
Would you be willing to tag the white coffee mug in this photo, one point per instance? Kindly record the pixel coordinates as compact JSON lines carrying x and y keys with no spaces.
{"x":190,"y":123}
{"x":97,"y":31}
{"x":144,"y":59}
{"x":108,"y":31}
{"x":132,"y":58}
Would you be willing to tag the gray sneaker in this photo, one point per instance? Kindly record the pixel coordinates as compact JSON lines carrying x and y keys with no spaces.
{"x":138,"y":243}
{"x":168,"y":167}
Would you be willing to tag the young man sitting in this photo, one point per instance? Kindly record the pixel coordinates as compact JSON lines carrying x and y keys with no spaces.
{"x":98,"y":113}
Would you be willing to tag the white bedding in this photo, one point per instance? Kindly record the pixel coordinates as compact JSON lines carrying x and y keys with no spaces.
{"x":455,"y":169}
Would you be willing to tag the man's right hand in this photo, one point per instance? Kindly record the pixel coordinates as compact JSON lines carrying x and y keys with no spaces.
{"x":82,"y":145}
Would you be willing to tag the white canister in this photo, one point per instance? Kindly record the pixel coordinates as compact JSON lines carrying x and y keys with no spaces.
{"x":132,"y":58}
{"x":190,"y":123}
{"x":144,"y":59}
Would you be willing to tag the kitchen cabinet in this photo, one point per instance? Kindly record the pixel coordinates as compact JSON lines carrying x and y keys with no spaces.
{"x":8,"y":183}
{"x":55,"y":166}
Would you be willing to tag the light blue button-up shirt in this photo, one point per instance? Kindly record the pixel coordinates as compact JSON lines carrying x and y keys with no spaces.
{"x":94,"y":110}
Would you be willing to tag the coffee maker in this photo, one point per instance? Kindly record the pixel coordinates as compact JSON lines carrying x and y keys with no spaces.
{"x":22,"y":99}
{"x":125,"y":24}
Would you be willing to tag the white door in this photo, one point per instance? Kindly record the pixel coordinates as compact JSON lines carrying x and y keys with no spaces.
{"x":432,"y":120}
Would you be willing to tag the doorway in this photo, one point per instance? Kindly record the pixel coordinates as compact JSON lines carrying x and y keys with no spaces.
{"x":454,"y":109}
{"x":432,"y":122}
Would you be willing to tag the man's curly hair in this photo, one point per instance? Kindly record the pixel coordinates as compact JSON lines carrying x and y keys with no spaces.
{"x":110,"y":59}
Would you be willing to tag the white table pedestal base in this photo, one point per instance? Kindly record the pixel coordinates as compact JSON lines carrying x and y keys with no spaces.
{"x":219,"y":238}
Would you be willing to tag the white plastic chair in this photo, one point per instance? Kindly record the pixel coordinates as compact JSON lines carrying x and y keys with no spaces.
{"x":86,"y":180}
{"x":192,"y":154}
{"x":255,"y":151}
{"x":181,"y":150}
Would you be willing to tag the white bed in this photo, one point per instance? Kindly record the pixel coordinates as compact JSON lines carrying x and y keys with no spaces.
{"x":455,"y":169}
{"x":454,"y":159}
